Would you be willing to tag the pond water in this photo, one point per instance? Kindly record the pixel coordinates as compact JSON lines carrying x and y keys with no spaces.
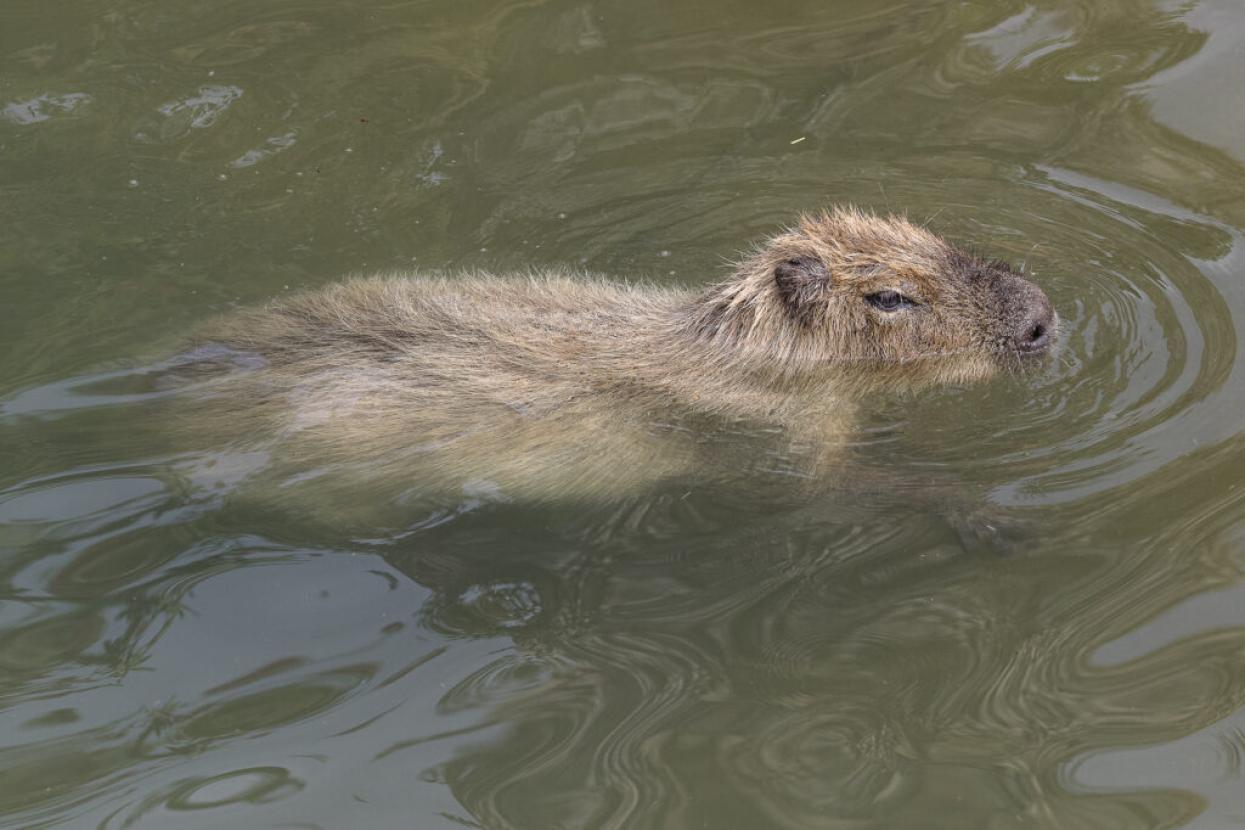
{"x":175,"y":654}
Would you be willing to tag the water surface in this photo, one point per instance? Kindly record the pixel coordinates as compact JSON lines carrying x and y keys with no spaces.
{"x":175,"y":654}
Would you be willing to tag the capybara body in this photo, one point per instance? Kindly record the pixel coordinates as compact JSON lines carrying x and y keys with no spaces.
{"x":552,"y":385}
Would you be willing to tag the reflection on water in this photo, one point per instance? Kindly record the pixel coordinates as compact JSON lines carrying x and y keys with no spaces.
{"x":176,"y":651}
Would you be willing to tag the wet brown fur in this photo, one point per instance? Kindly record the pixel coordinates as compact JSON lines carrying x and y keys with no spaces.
{"x":553,"y":385}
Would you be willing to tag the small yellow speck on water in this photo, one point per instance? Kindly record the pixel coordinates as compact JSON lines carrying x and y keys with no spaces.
{"x":798,"y":140}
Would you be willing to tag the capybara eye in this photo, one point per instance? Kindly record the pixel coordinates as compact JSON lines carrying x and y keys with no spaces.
{"x":888,"y":300}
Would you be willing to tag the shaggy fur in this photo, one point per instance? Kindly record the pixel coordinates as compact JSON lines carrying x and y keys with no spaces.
{"x":550,"y":385}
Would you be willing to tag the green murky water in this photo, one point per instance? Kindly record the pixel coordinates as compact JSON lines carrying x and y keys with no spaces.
{"x":174,"y":655}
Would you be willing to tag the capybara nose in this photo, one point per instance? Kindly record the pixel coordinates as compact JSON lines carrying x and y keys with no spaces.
{"x":1037,"y":320}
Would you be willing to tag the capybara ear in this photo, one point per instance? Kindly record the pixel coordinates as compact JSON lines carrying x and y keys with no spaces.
{"x":800,"y":280}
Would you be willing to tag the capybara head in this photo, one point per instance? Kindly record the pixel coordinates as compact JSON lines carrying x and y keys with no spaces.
{"x":880,"y":295}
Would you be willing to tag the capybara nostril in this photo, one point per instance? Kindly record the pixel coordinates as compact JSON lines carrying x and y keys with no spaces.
{"x":1037,"y":319}
{"x":1038,"y":336}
